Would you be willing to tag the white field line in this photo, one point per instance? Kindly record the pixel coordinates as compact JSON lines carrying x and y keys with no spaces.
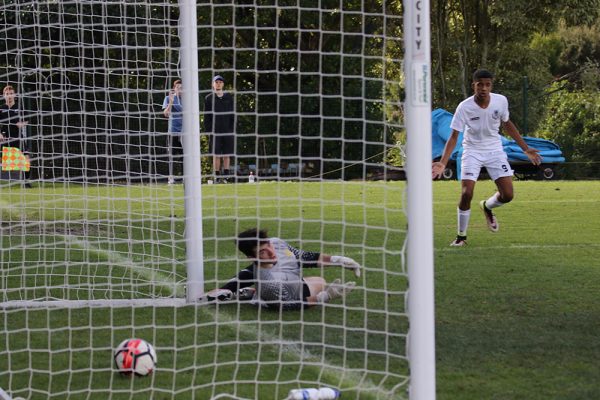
{"x":523,"y":246}
{"x":151,"y":275}
{"x":540,"y":201}
{"x":159,"y":278}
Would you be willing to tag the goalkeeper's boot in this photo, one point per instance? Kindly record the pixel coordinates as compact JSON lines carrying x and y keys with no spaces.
{"x":490,"y":217}
{"x":460,"y":241}
{"x":338,"y":289}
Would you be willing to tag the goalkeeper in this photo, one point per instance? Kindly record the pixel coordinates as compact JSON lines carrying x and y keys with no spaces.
{"x":276,"y":274}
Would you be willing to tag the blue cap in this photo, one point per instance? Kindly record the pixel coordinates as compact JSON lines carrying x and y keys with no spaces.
{"x":218,"y":78}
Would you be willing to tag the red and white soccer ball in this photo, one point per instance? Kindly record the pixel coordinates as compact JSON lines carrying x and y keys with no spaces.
{"x":135,"y":356}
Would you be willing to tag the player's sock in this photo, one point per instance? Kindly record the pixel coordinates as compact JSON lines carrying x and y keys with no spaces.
{"x":463,"y":221}
{"x":338,"y":289}
{"x":493,"y":202}
{"x":322,"y":297}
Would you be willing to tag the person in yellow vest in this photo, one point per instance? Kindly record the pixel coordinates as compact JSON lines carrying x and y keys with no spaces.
{"x":13,"y":126}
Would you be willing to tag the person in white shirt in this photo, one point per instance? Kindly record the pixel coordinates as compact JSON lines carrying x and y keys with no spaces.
{"x":480,"y":118}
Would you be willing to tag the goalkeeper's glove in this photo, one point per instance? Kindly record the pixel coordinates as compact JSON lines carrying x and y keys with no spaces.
{"x":347,"y":263}
{"x":219,"y":295}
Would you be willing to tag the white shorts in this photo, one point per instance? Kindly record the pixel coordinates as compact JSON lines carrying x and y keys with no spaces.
{"x":495,"y":162}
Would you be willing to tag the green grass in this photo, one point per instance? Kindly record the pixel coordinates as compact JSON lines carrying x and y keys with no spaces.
{"x":516,"y":311}
{"x":72,"y":242}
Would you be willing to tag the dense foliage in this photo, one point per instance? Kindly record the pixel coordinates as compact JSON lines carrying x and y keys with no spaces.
{"x":572,"y":119}
{"x":545,"y":56}
{"x":312,"y":81}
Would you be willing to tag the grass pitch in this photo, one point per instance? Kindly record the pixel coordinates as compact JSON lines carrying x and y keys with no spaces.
{"x":516,"y":314}
{"x":517,"y":311}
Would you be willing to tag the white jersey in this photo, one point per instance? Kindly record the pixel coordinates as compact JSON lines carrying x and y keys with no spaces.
{"x":481,"y":126}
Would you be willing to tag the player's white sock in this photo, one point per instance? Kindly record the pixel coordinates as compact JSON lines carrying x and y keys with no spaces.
{"x":322,"y":297}
{"x":463,"y":221}
{"x":493,"y":202}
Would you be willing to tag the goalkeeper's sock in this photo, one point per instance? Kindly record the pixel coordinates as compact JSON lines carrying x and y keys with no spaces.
{"x":322,"y":297}
{"x":338,"y":289}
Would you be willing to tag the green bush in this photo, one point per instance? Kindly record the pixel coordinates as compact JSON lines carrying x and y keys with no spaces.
{"x":573,"y":121}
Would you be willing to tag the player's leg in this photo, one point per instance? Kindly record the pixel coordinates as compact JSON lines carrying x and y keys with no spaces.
{"x":171,"y":155}
{"x":177,"y":157}
{"x":217,"y":157}
{"x":500,"y":171}
{"x":326,"y":292}
{"x":470,"y":167}
{"x":227,"y":149}
{"x":315,"y":285}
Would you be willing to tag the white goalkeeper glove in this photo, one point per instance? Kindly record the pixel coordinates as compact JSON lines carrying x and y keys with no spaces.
{"x":347,"y":263}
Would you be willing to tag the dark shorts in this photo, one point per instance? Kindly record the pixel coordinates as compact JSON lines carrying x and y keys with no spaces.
{"x":223,"y":144}
{"x":305,"y":291}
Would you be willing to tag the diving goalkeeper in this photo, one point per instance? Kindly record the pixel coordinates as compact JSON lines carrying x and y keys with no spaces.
{"x":276,"y":274}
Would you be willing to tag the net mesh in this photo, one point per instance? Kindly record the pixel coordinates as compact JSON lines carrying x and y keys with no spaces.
{"x":94,"y":252}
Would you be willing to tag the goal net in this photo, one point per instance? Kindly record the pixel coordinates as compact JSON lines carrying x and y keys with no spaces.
{"x":113,"y":227}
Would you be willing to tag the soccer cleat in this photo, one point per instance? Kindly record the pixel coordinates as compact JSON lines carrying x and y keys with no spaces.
{"x":338,"y":289}
{"x":459,"y":241}
{"x":490,"y":217}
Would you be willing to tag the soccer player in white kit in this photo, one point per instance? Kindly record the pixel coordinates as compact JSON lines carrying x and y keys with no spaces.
{"x":480,"y":118}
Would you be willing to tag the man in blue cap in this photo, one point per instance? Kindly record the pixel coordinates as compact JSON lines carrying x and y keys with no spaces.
{"x":219,"y":120}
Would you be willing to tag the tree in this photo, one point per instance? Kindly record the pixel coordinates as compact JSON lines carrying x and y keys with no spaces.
{"x":572,"y":121}
{"x":468,"y":34}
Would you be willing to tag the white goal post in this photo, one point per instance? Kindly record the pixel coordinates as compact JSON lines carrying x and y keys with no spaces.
{"x":117,"y":231}
{"x":417,"y":106}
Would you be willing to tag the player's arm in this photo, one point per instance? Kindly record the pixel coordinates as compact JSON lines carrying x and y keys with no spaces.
{"x":245,"y":278}
{"x":208,"y":115}
{"x":438,"y":167}
{"x":168,"y":104}
{"x":530,"y":152}
{"x":346,"y":262}
{"x":310,"y":259}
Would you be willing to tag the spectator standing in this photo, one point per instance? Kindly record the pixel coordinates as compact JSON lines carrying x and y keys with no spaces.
{"x":173,"y":109}
{"x":219,"y":122}
{"x":14,"y":126}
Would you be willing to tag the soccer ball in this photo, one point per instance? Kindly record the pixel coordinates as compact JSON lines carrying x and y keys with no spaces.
{"x":135,"y":356}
